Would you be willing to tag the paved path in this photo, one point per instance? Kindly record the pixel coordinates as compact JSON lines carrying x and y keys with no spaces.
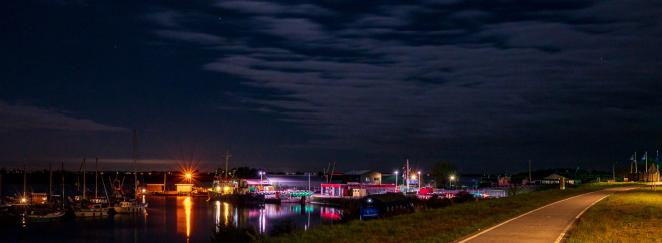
{"x":546,"y":224}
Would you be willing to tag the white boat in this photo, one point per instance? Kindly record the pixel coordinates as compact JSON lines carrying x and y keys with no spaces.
{"x":92,"y":210}
{"x":129,"y":207}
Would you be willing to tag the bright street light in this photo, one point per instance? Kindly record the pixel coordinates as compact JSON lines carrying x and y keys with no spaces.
{"x":261,"y":173}
{"x":396,"y":180}
{"x":419,"y":179}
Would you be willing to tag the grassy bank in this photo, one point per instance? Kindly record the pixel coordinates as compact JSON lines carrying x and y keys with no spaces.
{"x":631,"y":216}
{"x":436,"y":225}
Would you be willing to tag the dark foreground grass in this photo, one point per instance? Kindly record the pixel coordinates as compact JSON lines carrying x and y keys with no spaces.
{"x":630,"y":216}
{"x":436,"y":225}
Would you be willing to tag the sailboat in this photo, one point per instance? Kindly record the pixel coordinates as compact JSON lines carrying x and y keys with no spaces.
{"x":38,"y":215}
{"x":94,"y":207}
{"x":126,"y":205}
{"x":47,"y":210}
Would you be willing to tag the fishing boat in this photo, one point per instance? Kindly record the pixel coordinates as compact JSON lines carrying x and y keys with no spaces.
{"x":123,"y":203}
{"x":129,"y":207}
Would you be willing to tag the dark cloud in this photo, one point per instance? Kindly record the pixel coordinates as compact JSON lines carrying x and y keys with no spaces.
{"x":26,"y":117}
{"x":485,"y":83}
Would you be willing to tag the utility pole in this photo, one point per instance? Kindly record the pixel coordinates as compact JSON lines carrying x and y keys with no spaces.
{"x":309,"y":181}
{"x":636,"y":163}
{"x":646,"y":161}
{"x":613,"y":171}
{"x":164,"y":181}
{"x":631,"y":164}
{"x":530,"y":181}
{"x":227,"y":162}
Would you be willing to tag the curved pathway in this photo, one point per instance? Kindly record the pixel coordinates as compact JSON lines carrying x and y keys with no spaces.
{"x":545,"y":224}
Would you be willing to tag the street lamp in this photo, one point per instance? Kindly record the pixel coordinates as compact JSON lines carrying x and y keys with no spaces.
{"x":419,"y":179}
{"x":396,"y":180}
{"x":452,"y":178}
{"x":189,"y":177}
{"x":261,"y":173}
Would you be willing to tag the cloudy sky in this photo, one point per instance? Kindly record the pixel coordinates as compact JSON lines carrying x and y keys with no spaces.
{"x":295,"y":85}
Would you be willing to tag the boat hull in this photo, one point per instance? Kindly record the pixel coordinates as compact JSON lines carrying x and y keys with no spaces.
{"x":51,"y":217}
{"x":91,"y":213}
{"x":128,"y":210}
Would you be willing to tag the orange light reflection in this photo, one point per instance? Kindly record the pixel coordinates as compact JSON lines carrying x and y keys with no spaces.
{"x":187,"y":211}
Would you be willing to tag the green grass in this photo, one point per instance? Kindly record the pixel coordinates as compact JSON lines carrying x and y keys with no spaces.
{"x":631,"y":216}
{"x":436,"y":225}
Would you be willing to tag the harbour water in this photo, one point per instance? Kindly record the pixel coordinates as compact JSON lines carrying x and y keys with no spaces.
{"x":174,"y":219}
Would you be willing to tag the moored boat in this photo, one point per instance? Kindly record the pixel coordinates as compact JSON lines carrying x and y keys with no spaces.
{"x":91,"y":210}
{"x":129,"y":207}
{"x":39,"y":216}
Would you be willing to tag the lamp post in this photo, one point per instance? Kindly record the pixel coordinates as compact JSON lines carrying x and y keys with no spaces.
{"x":419,"y":179}
{"x":396,"y":180}
{"x":452,"y":178}
{"x":261,"y":173}
{"x":189,"y":177}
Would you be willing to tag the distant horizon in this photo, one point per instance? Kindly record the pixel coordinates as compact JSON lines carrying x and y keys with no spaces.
{"x":158,"y":165}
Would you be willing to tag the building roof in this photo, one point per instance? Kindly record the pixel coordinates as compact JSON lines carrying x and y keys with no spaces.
{"x":553,"y":176}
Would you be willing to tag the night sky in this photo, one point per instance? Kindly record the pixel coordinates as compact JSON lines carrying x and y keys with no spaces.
{"x":292,"y":85}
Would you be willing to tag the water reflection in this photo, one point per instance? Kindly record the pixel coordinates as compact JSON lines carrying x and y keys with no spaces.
{"x":263,"y":219}
{"x":184,"y":207}
{"x":187,"y":209}
{"x":226,"y":212}
{"x":174,"y":219}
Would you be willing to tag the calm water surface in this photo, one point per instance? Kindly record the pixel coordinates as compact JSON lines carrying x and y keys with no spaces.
{"x":173,"y":219}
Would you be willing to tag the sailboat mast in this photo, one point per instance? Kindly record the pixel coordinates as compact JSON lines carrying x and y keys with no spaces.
{"x":227,"y":162}
{"x":135,"y":161}
{"x":25,"y":181}
{"x":84,"y":181}
{"x":96,"y":174}
{"x":333,"y":170}
{"x":50,"y":181}
{"x":62,"y":171}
